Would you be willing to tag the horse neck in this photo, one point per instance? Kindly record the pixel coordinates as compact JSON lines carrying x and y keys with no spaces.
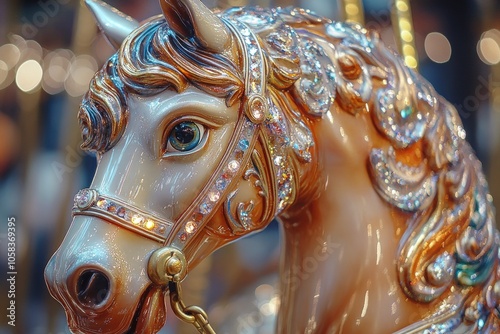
{"x":339,"y":247}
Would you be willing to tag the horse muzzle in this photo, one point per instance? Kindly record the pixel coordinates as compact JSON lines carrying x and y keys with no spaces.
{"x":100,"y":284}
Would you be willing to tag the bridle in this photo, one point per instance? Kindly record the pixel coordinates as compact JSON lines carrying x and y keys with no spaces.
{"x":168,"y":264}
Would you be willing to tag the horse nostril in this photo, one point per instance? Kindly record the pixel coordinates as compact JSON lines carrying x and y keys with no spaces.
{"x":92,"y":288}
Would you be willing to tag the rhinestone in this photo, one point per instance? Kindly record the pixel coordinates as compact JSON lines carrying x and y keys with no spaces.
{"x":278,"y":160}
{"x":221,"y":184}
{"x":150,"y":224}
{"x":190,"y":227}
{"x":161,"y":229}
{"x":257,"y":109}
{"x":255,"y":86}
{"x":406,"y":112}
{"x":214,"y":196}
{"x":197,"y":217}
{"x":255,"y":68}
{"x":120,"y":212}
{"x":183,"y":237}
{"x":233,"y":166}
{"x":84,"y":199}
{"x":137,"y":219}
{"x":112,"y":207}
{"x":238,"y":155}
{"x":205,"y":208}
{"x":102,"y":203}
{"x":243,"y":144}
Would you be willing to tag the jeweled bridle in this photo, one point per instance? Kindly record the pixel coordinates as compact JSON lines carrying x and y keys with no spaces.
{"x":168,"y":264}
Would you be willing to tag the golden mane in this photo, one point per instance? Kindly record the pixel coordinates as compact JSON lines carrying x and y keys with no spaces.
{"x":152,"y":59}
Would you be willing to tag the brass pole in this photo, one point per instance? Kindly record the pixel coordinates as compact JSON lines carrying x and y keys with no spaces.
{"x":404,"y":33}
{"x":352,"y":10}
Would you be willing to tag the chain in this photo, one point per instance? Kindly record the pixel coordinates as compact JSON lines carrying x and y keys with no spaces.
{"x":191,"y":314}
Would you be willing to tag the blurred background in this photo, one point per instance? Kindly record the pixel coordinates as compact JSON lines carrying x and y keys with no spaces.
{"x":50,"y":49}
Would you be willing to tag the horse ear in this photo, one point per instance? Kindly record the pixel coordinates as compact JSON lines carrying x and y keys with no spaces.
{"x":190,"y":18}
{"x":114,"y":24}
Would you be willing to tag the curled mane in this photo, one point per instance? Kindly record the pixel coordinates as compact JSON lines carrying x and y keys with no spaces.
{"x":449,"y":250}
{"x":152,"y":59}
{"x":425,"y":169}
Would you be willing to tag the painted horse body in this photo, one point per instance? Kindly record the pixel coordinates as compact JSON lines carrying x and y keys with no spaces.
{"x":209,"y":126}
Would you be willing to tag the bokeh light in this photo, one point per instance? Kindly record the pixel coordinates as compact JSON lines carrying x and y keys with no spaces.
{"x":488,"y":47}
{"x":10,"y":54}
{"x":56,"y":67}
{"x":81,"y":72}
{"x":29,"y":75}
{"x":437,"y":47}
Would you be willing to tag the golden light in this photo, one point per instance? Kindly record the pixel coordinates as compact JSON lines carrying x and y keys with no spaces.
{"x":149,"y":224}
{"x":29,"y":75}
{"x":352,"y":9}
{"x":404,"y":24}
{"x":137,"y":219}
{"x":437,"y":47}
{"x":401,"y":5}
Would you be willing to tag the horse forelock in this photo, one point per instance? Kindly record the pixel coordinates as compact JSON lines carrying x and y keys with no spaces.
{"x":151,"y":59}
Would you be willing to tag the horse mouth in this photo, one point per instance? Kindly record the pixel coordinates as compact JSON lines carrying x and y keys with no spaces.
{"x":150,"y":314}
{"x":149,"y":317}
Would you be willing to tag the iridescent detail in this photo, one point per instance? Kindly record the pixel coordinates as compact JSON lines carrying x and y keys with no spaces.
{"x":253,"y":64}
{"x":408,"y":188}
{"x":476,"y":249}
{"x":404,"y":108}
{"x":316,"y":86}
{"x":90,"y":202}
{"x":279,"y":140}
{"x":352,"y":35}
{"x":242,"y":222}
{"x":302,"y":141}
{"x":256,"y":17}
{"x":443,"y":146}
{"x":474,"y":319}
{"x":355,"y":65}
{"x":442,"y":270}
{"x":284,"y":42}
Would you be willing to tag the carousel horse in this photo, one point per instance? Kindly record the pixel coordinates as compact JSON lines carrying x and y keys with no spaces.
{"x":207,"y":125}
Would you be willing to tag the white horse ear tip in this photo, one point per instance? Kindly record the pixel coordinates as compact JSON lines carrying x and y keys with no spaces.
{"x":114,"y":24}
{"x":91,"y":3}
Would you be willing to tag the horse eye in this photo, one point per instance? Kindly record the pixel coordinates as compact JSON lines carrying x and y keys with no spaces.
{"x":185,"y":136}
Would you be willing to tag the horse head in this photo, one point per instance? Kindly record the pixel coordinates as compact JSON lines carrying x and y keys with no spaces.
{"x":176,"y":118}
